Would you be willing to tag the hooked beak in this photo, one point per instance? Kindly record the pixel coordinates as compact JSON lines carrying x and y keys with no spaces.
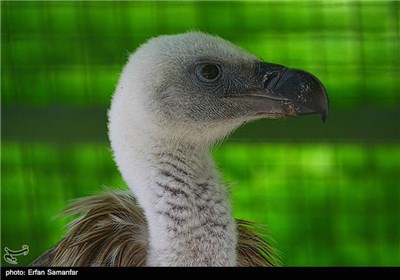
{"x":283,"y":91}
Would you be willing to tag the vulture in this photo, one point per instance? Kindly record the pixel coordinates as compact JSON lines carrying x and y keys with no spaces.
{"x":177,"y":97}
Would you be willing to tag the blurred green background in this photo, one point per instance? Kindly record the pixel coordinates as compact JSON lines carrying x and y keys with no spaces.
{"x":328,"y":193}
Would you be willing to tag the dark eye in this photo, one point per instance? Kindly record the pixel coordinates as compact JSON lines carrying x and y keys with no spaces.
{"x":208,"y":72}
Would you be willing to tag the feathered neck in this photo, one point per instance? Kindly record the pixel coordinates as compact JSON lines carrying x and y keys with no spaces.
{"x":176,"y":183}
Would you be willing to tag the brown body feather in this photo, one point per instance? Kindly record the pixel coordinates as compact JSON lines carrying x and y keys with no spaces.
{"x":113,"y":232}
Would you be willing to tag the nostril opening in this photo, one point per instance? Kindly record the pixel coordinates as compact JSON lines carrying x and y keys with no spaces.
{"x":269,"y":78}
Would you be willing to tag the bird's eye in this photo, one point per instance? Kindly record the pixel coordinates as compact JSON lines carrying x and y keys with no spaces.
{"x":208,"y":72}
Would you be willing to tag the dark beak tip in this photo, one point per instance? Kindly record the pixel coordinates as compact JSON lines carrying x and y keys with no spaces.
{"x":323,"y":117}
{"x":317,"y":95}
{"x":325,"y":103}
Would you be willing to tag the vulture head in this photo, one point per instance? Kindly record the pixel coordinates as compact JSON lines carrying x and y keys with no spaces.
{"x":200,"y":87}
{"x":176,"y":96}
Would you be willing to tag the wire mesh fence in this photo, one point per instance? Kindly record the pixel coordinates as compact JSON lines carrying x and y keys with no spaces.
{"x":326,"y":201}
{"x":353,"y":46}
